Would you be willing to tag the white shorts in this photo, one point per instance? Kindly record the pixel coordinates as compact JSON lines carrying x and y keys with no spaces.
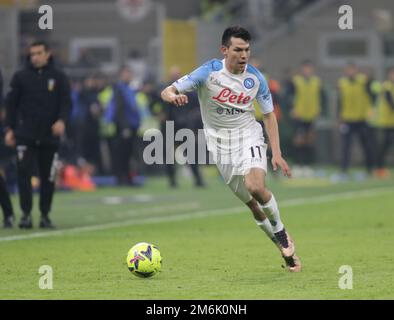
{"x":252,"y":154}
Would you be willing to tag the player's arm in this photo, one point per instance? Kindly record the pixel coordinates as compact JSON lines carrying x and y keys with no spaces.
{"x":11,"y":105}
{"x":389,"y":98}
{"x":271,"y":126}
{"x":190,"y":82}
{"x":171,"y":95}
{"x":264,"y":100}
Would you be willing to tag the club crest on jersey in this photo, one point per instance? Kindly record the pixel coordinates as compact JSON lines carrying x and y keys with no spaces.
{"x":248,"y":83}
{"x":21,"y":152}
{"x":51,"y":84}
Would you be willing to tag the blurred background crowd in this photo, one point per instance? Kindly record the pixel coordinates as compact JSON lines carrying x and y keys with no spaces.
{"x":330,"y":86}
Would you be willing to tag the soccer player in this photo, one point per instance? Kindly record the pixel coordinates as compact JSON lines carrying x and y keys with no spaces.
{"x":226,"y":90}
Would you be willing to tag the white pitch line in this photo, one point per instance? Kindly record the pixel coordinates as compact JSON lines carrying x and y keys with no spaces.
{"x":202,"y":214}
{"x":133,"y":212}
{"x":155,"y":209}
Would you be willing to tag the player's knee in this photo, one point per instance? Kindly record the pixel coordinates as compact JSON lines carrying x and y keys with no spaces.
{"x":255,"y":188}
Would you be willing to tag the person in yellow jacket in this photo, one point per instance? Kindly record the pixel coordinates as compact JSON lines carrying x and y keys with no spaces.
{"x":308,"y":101}
{"x":355,"y":99}
{"x":274,"y":87}
{"x":386,"y":122}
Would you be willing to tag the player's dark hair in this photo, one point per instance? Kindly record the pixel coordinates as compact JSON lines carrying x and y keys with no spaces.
{"x":236,"y":32}
{"x":351,"y":64}
{"x":40,"y":43}
{"x":307,"y":62}
{"x":124,"y":67}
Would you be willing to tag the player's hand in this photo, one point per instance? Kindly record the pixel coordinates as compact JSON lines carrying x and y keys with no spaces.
{"x":58,"y":128}
{"x":179,"y":99}
{"x":10,"y":139}
{"x":278,"y":161}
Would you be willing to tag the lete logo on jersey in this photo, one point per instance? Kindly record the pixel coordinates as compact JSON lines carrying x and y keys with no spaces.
{"x":226,"y":95}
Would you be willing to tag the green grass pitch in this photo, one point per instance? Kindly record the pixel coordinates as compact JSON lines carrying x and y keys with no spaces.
{"x":210,"y":245}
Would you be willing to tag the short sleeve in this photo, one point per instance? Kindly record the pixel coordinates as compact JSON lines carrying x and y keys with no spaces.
{"x":195,"y":79}
{"x":263,"y":96}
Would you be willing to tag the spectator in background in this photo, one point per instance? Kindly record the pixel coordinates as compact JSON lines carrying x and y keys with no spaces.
{"x":215,"y":11}
{"x":86,"y":60}
{"x":355,"y":101}
{"x":374,"y":91}
{"x":274,"y":87}
{"x":386,"y":122}
{"x":123,"y":112}
{"x":149,"y":104}
{"x":308,"y":101}
{"x":91,"y":110}
{"x":107,"y":130}
{"x":38,"y":106}
{"x":74,"y":171}
{"x":285,"y":98}
{"x":1,"y":88}
{"x":5,"y":201}
{"x":149,"y":96}
{"x":287,"y":90}
{"x":187,"y":117}
{"x":74,"y":130}
{"x":138,"y":67}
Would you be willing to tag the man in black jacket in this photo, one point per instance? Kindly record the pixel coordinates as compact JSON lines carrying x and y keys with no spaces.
{"x":5,"y":201}
{"x":38,"y":105}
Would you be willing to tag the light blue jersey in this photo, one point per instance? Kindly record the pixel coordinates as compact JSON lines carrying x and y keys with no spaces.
{"x":226,"y":99}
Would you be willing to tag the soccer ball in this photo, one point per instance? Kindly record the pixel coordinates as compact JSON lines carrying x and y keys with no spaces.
{"x":144,"y":260}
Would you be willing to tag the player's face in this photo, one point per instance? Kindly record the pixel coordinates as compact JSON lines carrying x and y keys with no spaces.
{"x":126,"y":76}
{"x":307,"y":70}
{"x":39,"y":56}
{"x":351,"y":71}
{"x":236,"y":55}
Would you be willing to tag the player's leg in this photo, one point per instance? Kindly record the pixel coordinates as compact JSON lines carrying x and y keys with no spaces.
{"x":310,"y":143}
{"x":255,"y":184}
{"x":346,"y":130}
{"x":5,"y":204}
{"x":261,"y":220}
{"x":25,"y":156}
{"x":388,"y":140}
{"x":281,"y":238}
{"x":298,"y":143}
{"x":236,"y":185}
{"x":365,"y":135}
{"x":303,"y":132}
{"x":47,"y":161}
